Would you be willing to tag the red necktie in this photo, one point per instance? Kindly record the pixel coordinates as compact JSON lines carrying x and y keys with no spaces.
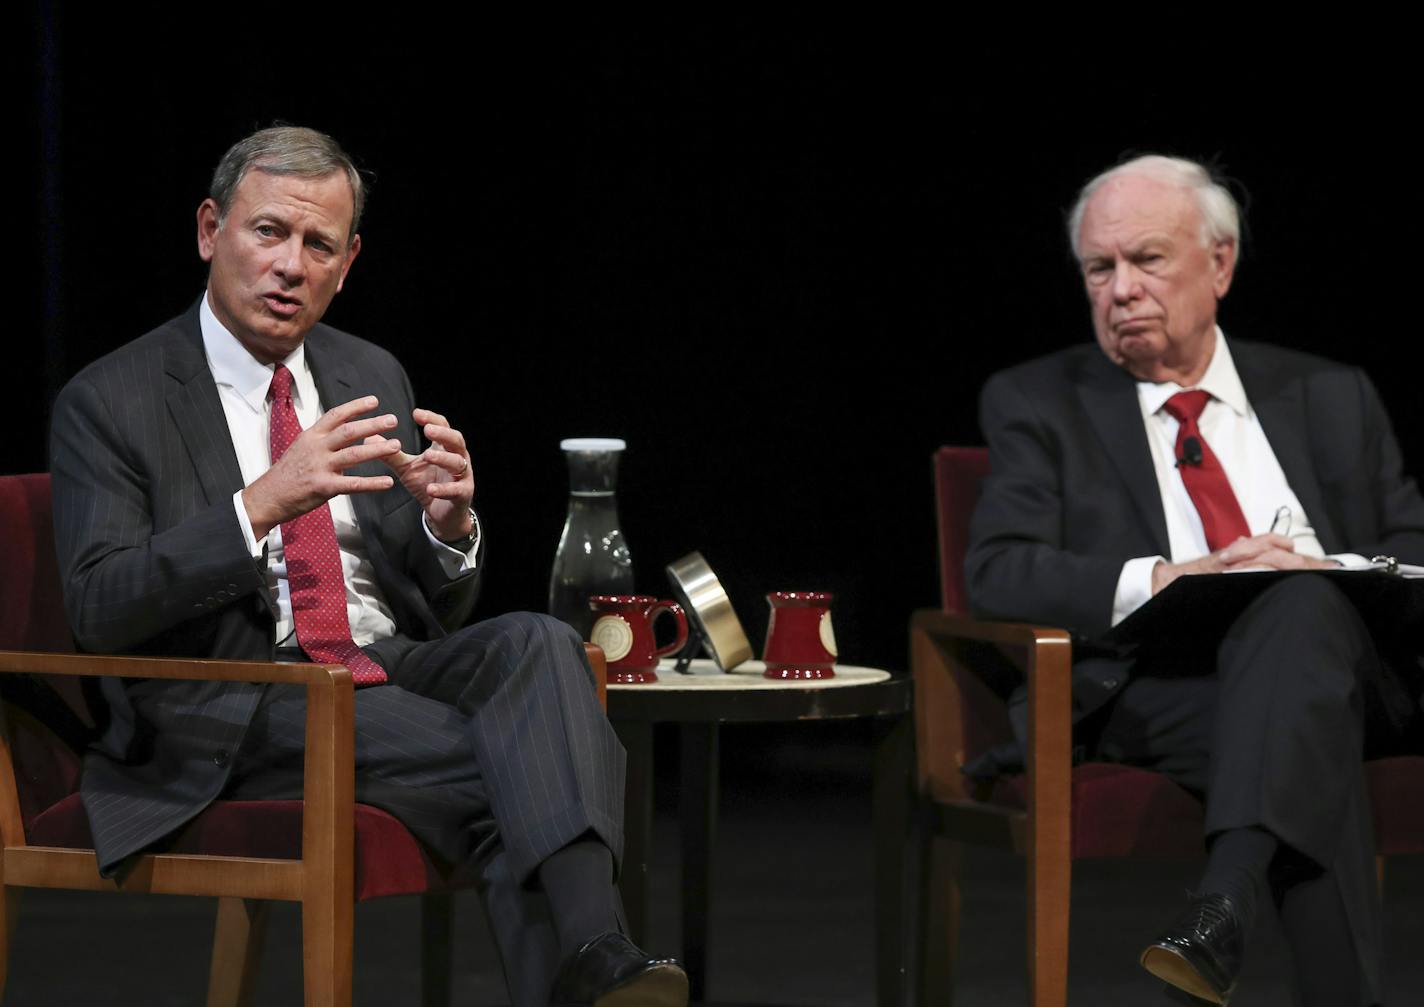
{"x":315,"y":582}
{"x":1205,"y":479}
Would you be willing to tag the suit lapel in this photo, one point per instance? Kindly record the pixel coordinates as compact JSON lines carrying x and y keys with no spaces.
{"x":197,"y":411}
{"x":1280,"y":407}
{"x":336,"y":378}
{"x":1109,"y":397}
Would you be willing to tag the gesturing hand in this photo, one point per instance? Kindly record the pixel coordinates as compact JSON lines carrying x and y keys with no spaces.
{"x":1271,"y":551}
{"x":440,"y":477}
{"x":309,"y":473}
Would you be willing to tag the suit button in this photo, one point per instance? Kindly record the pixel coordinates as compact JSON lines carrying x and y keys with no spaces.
{"x":220,"y":595}
{"x":233,"y":589}
{"x":208,"y":601}
{"x":220,"y":758}
{"x":1109,"y":683}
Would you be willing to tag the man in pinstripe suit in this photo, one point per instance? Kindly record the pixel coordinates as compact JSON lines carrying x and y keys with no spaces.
{"x":177,"y":520}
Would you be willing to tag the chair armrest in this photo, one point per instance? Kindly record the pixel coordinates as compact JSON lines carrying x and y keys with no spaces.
{"x":328,"y":838}
{"x":966,"y":627}
{"x":599,"y":664}
{"x":947,"y":689}
{"x":94,"y":665}
{"x":329,"y":778}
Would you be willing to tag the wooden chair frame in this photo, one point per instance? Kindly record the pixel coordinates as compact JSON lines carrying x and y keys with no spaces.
{"x":323,"y":880}
{"x":1042,"y":833}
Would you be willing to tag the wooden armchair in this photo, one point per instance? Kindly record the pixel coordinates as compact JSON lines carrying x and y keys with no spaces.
{"x":326,"y":852}
{"x":1054,"y":812}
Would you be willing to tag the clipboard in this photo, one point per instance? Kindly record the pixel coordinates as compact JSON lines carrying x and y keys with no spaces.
{"x":1205,"y":605}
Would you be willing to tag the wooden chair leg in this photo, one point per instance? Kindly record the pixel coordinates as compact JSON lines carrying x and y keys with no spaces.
{"x":938,"y":913}
{"x":9,"y":916}
{"x":1050,"y":868}
{"x":237,"y":950}
{"x":327,"y":931}
{"x":436,"y":911}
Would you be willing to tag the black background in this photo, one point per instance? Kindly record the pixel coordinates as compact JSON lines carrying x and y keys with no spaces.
{"x":780,"y":261}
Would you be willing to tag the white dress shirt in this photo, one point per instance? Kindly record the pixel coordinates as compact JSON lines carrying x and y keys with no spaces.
{"x":1232,"y":428}
{"x":243,"y":382}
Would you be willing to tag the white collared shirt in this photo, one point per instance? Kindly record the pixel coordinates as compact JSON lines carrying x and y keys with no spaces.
{"x":1230,"y":425}
{"x":242,"y":382}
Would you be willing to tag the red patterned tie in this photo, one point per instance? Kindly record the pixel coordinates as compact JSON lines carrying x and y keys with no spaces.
{"x":1206,"y":481}
{"x":314,"y":579}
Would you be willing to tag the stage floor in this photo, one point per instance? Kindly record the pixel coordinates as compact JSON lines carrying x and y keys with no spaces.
{"x":792,"y":918}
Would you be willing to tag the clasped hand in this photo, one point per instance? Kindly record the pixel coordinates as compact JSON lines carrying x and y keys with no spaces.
{"x":440,"y":477}
{"x":312,"y":470}
{"x":1269,"y":551}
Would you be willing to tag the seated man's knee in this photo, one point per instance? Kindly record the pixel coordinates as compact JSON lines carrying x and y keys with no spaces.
{"x":1306,"y":624}
{"x":1306,"y":602}
{"x":543,"y":630}
{"x":533,"y":635}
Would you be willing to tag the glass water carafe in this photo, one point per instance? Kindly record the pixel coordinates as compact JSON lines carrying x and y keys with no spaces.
{"x":592,"y":557}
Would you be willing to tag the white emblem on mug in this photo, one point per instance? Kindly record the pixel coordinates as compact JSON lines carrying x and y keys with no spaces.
{"x":828,"y":635}
{"x":613,"y":634}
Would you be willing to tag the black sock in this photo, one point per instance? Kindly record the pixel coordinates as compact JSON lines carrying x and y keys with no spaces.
{"x":578,"y":882}
{"x":1236,"y":868}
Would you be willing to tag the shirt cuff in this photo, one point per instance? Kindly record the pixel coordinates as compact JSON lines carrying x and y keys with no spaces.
{"x":1134,"y":586}
{"x":1350,"y":560}
{"x":455,"y":562}
{"x":254,"y":547}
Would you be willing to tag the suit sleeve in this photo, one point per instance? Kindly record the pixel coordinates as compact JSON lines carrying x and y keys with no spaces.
{"x":1019,"y":564}
{"x":451,"y":599}
{"x":1394,"y":496}
{"x":124,"y":583}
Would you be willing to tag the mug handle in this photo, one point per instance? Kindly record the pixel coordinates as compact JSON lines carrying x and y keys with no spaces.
{"x":674,"y":609}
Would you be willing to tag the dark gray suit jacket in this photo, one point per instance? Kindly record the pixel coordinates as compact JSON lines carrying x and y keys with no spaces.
{"x":155,"y":562}
{"x":1072,"y":494}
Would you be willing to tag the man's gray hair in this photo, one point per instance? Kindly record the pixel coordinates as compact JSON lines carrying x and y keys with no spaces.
{"x":286,"y":150}
{"x":1221,"y":218}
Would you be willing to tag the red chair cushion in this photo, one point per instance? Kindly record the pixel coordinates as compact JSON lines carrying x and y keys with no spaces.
{"x":46,"y":769}
{"x":958,"y":475}
{"x":388,"y":859}
{"x":1397,"y":797}
{"x":31,"y":604}
{"x":1122,"y":811}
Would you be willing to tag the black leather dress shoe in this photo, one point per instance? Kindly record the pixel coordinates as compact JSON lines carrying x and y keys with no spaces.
{"x":612,"y":971}
{"x":1200,"y":954}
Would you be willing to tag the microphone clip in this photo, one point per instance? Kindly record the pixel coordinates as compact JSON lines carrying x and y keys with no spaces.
{"x":1191,"y":453}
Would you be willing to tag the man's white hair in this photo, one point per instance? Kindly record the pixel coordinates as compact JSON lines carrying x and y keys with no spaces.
{"x":1220,"y":216}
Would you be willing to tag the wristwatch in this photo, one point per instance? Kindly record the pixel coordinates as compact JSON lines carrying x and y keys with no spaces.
{"x":466,"y":542}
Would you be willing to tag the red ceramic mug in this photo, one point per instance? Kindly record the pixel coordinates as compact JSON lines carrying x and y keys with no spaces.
{"x":800,"y":643}
{"x":623,"y":627}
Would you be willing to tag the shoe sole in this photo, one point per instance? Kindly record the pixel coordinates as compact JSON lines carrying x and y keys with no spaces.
{"x":1171,"y":967}
{"x":662,"y":986}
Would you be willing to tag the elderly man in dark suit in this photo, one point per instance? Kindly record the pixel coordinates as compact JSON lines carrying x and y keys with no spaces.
{"x":1169,"y":450}
{"x":244,"y":482}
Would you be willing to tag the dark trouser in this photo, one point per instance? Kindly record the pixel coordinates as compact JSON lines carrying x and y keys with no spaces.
{"x":490,"y":746}
{"x":1275,"y":738}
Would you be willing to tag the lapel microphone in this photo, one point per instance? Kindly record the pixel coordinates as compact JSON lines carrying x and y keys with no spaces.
{"x":1191,"y":453}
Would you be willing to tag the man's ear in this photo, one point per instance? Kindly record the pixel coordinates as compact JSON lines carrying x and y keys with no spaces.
{"x":1223,"y":266}
{"x":209,"y":223}
{"x":351,"y":254}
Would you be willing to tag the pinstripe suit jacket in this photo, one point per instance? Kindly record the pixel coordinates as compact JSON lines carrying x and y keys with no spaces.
{"x":154,"y":562}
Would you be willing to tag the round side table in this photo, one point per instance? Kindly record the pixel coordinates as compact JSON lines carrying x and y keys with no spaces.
{"x":698,"y":703}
